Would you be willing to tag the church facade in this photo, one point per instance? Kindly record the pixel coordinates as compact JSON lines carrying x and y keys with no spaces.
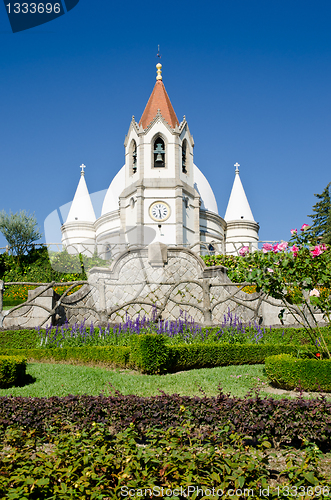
{"x":159,"y":195}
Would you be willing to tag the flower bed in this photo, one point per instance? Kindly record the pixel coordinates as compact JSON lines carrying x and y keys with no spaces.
{"x":17,"y":294}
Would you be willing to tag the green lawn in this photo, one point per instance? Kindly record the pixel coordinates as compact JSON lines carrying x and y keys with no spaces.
{"x":48,"y":380}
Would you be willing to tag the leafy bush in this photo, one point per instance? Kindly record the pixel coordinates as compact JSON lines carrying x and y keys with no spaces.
{"x":18,"y":339}
{"x":183,"y":357}
{"x":288,"y":372}
{"x":114,"y":356}
{"x":237,"y":267}
{"x":282,"y":421}
{"x":97,"y":464}
{"x":149,"y":353}
{"x":12,"y":370}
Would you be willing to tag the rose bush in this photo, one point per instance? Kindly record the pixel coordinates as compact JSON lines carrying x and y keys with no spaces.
{"x":298,"y":273}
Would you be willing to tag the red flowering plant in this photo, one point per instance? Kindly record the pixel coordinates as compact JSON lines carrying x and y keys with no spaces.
{"x":298,"y":273}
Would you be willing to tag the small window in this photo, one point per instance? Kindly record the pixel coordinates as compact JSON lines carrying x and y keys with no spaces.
{"x":184,"y":158}
{"x":159,"y":153}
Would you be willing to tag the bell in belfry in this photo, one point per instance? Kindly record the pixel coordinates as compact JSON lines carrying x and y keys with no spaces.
{"x":159,"y":155}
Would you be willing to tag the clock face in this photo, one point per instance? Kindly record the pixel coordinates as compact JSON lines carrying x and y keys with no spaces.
{"x":159,"y":211}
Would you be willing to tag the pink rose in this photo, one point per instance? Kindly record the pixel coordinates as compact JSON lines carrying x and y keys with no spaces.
{"x":314,"y":293}
{"x":270,"y":270}
{"x":317,"y":251}
{"x":294,"y":231}
{"x":266,"y":247}
{"x":304,"y":227}
{"x":275,"y":248}
{"x":282,"y":246}
{"x":294,"y":250}
{"x":243,"y":251}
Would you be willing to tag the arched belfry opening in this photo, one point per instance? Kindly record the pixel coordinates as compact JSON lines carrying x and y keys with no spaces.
{"x":184,"y":157}
{"x":133,"y":157}
{"x":159,"y":153}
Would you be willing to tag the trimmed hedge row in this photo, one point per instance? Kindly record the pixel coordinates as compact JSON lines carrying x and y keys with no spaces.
{"x":12,"y":370}
{"x":116,"y":356}
{"x":288,"y":372}
{"x":186,"y":357}
{"x":18,"y":339}
{"x":150,"y":353}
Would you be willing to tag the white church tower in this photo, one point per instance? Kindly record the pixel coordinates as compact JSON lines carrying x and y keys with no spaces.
{"x":241,"y":228}
{"x":159,"y":194}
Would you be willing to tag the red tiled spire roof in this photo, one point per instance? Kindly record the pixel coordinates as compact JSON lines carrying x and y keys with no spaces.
{"x":159,"y":99}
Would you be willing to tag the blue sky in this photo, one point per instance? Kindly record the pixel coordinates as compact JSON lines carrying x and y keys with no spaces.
{"x":251,"y":76}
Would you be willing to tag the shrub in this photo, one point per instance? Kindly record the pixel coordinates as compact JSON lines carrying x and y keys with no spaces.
{"x":282,"y":421}
{"x":12,"y":370}
{"x":149,"y":353}
{"x":18,"y":339}
{"x":288,"y":372}
{"x":96,"y":464}
{"x":187,"y":357}
{"x":114,"y":356}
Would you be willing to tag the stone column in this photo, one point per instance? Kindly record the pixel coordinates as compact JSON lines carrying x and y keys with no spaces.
{"x":179,"y":215}
{"x":206,"y":302}
{"x":140,"y":215}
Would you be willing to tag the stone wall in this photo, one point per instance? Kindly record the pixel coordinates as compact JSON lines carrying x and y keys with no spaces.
{"x":173,"y":279}
{"x":177,"y":282}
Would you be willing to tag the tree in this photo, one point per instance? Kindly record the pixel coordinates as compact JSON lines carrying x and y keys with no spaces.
{"x":327,"y":234}
{"x":321,"y":226}
{"x":20,"y":230}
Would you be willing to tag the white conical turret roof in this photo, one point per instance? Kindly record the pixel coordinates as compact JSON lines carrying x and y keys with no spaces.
{"x":238,"y":206}
{"x":81,"y":207}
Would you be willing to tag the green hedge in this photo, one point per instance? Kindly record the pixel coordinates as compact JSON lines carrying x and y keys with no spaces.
{"x":116,"y":356}
{"x":149,"y":353}
{"x":12,"y":370}
{"x":287,"y":372}
{"x":186,"y":357}
{"x":18,"y":339}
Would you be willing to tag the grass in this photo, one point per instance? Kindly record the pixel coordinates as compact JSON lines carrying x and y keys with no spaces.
{"x":63,"y":379}
{"x":46,"y":380}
